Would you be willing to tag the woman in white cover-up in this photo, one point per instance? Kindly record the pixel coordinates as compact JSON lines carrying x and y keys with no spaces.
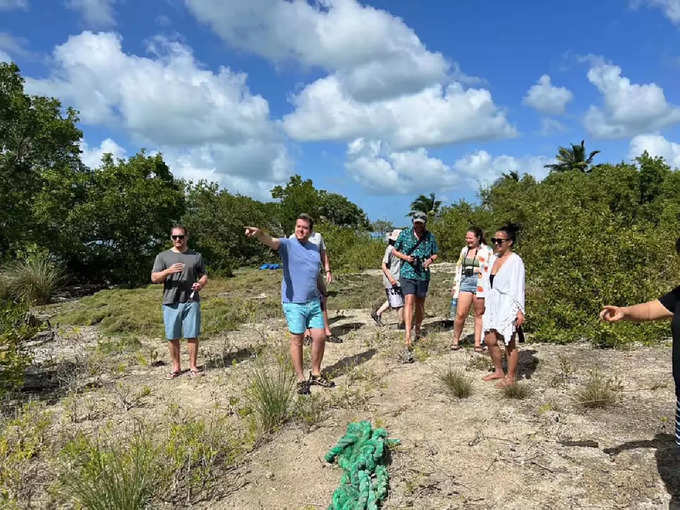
{"x":504,"y":307}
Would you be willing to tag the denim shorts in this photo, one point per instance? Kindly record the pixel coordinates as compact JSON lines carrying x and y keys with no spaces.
{"x":417,"y":287}
{"x":469,"y":284}
{"x":301,"y":316}
{"x":182,"y":320}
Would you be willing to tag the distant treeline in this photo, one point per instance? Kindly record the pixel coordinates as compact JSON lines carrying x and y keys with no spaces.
{"x":601,"y":234}
{"x":107,"y":223}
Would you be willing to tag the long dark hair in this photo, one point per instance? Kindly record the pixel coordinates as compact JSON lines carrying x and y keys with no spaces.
{"x":511,"y":230}
{"x":479,"y":234}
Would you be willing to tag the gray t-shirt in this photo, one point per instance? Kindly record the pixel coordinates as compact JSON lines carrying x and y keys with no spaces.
{"x":177,"y":286}
{"x":393,"y":264}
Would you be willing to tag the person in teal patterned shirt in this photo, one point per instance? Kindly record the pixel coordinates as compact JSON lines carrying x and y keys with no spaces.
{"x":417,"y":247}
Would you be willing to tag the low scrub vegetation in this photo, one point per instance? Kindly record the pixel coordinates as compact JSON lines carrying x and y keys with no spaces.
{"x":270,"y":393}
{"x":598,"y":391}
{"x":33,"y":279}
{"x":456,"y":382}
{"x":517,"y":390}
{"x":15,"y":330}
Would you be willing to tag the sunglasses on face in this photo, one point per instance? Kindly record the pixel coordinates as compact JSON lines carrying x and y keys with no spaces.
{"x":498,"y":240}
{"x":177,"y":237}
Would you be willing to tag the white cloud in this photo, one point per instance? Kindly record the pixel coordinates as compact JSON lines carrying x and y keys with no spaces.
{"x":379,"y":169}
{"x":374,"y":54}
{"x":656,"y":145}
{"x":546,"y":98}
{"x":206,"y":122}
{"x":628,"y":109}
{"x":434,"y":116}
{"x":381,"y":78}
{"x":4,"y":57}
{"x":483,"y":169}
{"x":550,"y":126}
{"x":92,"y":157}
{"x":95,"y":13}
{"x":670,"y":8}
{"x":13,"y":46}
{"x":13,"y":4}
{"x":373,"y":165}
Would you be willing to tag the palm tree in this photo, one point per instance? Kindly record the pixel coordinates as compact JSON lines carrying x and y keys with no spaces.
{"x":511,"y":175}
{"x":428,"y":205}
{"x":573,"y":159}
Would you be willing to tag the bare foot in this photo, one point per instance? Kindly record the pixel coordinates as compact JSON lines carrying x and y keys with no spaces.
{"x":491,"y":377}
{"x":505,"y":383}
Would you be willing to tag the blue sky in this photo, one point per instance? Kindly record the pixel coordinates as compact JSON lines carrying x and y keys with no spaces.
{"x":379,"y":101}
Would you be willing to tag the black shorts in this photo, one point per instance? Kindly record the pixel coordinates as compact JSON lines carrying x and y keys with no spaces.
{"x":417,"y":287}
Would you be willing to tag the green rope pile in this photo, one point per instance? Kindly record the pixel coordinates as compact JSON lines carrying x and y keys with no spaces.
{"x":362,"y":454}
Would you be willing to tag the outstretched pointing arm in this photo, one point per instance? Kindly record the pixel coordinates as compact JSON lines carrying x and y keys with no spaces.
{"x":270,"y":241}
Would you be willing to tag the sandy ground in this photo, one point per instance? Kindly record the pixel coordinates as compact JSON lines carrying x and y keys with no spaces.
{"x":486,"y":451}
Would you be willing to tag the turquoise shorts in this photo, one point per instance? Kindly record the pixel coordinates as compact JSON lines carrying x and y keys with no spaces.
{"x":301,"y":316}
{"x":182,"y":320}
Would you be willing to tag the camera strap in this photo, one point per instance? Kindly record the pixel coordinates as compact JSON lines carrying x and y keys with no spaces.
{"x":415,"y":247}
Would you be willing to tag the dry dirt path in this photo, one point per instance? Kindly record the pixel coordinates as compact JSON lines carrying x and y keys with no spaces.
{"x":486,"y":451}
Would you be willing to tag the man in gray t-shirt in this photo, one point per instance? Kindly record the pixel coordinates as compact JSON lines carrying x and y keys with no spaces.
{"x":182,"y":273}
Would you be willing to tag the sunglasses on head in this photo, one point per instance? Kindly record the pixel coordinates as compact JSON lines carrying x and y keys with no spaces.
{"x":498,"y":240}
{"x":175,"y":237}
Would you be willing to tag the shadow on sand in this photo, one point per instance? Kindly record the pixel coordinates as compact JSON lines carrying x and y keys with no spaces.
{"x":667,"y":462}
{"x":343,"y":329}
{"x":344,"y":365}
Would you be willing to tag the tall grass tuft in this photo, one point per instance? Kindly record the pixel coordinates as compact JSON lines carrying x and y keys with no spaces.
{"x":111,"y":477}
{"x":518,"y":391}
{"x":457,"y":383}
{"x":597,"y":391}
{"x":33,"y":279}
{"x":270,"y":394}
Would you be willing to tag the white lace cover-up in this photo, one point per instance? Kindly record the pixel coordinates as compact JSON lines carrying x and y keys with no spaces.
{"x":505,"y":297}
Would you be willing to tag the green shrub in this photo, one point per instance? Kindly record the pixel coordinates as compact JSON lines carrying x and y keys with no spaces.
{"x":22,"y":440}
{"x":111,"y":477}
{"x":587,"y":239}
{"x":192,"y":454}
{"x":351,"y":250}
{"x":270,"y":393}
{"x":456,"y":382}
{"x":14,"y":332}
{"x":33,"y":279}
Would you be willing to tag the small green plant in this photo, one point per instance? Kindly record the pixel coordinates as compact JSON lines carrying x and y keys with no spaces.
{"x":456,"y":382}
{"x":420,"y":352}
{"x":477,"y":362}
{"x":33,"y":279}
{"x":310,"y":410}
{"x":548,"y":406}
{"x":598,"y":391}
{"x":111,"y":477}
{"x":192,"y":454}
{"x":565,"y":371}
{"x":14,"y":332}
{"x":270,"y":394}
{"x":516,"y":390}
{"x":22,"y":441}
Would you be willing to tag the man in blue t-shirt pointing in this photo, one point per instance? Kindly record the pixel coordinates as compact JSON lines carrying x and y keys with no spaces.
{"x":300,"y":296}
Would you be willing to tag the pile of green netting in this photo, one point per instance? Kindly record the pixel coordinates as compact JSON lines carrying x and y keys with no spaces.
{"x":362,"y":453}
